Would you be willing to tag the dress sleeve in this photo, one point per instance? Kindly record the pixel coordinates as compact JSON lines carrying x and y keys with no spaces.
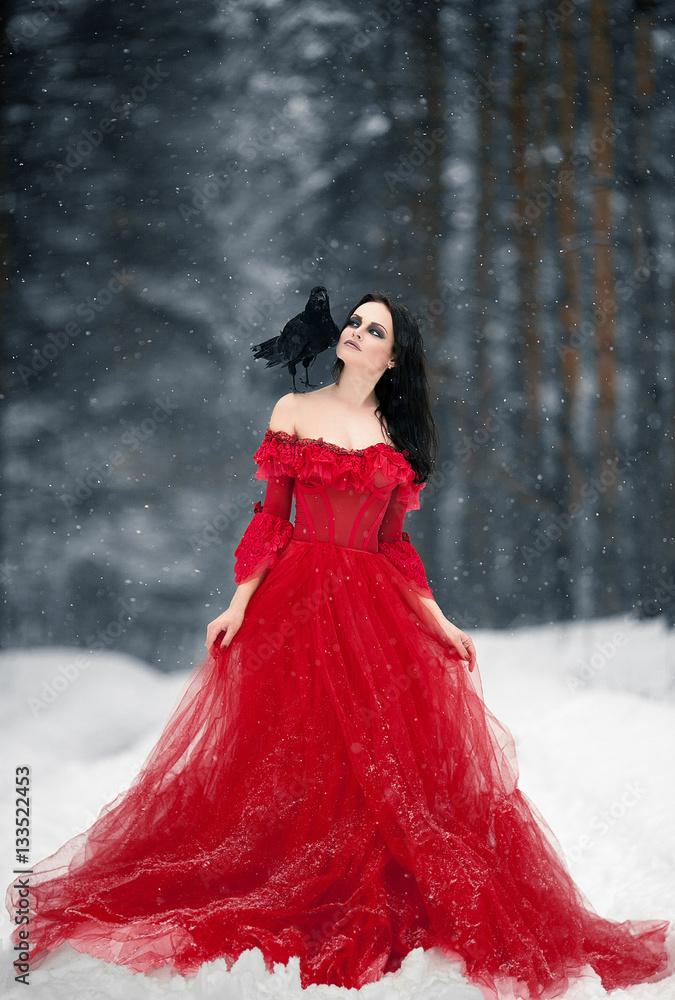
{"x":395,"y":544}
{"x":268,"y":532}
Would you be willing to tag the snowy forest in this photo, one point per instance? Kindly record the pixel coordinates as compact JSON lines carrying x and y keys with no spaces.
{"x":176,"y":178}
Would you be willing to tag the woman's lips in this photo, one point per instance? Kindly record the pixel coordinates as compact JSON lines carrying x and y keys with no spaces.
{"x":351,"y":343}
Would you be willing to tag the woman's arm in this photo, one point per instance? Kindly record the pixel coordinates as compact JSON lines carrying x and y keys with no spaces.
{"x":391,"y":539}
{"x":259,"y":550}
{"x":278,"y":499}
{"x":462,"y":642}
{"x":433,"y":607}
{"x":395,"y":544}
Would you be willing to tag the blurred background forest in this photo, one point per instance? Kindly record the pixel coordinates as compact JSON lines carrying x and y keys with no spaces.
{"x":177,"y":176}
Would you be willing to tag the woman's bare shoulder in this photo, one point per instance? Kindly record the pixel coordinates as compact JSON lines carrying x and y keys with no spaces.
{"x":284,"y":413}
{"x":295,"y":408}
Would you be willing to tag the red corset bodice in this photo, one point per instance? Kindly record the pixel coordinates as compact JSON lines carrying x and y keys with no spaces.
{"x":341,"y":495}
{"x":354,"y":498}
{"x":343,"y":517}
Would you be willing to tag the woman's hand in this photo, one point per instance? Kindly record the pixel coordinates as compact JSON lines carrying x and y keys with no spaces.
{"x":229,"y":623}
{"x":462,"y":642}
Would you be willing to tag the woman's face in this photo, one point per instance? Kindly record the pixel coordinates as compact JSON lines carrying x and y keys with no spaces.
{"x":370,"y":327}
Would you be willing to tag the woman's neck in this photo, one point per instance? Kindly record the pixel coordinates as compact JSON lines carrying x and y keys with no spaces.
{"x":356,"y":391}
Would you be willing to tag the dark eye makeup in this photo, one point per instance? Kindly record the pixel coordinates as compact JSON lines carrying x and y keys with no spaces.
{"x":371,"y":329}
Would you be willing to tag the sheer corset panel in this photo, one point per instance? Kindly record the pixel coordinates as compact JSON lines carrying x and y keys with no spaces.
{"x":342,"y":517}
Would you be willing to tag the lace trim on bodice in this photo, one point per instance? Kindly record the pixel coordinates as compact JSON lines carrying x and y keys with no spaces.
{"x":319,"y":461}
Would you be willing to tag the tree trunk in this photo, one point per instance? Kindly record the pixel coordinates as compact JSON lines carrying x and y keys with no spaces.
{"x":414,"y":204}
{"x":604,"y":300}
{"x":570,"y":299}
{"x":528,"y":180}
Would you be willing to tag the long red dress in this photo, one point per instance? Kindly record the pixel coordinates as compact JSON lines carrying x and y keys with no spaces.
{"x":332,"y":785}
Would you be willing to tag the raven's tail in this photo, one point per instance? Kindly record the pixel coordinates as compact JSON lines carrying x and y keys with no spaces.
{"x":269,"y":349}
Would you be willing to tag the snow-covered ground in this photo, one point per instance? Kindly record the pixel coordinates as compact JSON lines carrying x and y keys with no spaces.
{"x":591,"y":706}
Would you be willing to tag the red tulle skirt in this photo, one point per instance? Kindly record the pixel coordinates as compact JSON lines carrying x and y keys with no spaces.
{"x":332,"y":787}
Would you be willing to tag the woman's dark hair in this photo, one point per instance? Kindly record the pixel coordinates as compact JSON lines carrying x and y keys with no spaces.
{"x":403,"y":391}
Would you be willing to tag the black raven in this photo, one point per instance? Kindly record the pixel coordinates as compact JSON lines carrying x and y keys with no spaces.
{"x":306,"y":335}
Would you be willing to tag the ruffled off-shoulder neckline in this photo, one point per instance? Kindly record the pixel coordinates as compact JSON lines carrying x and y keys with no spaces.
{"x":282,"y":453}
{"x":296,"y":439}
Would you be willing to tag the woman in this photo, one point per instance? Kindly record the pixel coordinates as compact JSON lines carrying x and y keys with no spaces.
{"x":331,"y":784}
{"x":365,"y":356}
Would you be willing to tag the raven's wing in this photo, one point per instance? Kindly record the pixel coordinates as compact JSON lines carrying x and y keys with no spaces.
{"x":294,"y":340}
